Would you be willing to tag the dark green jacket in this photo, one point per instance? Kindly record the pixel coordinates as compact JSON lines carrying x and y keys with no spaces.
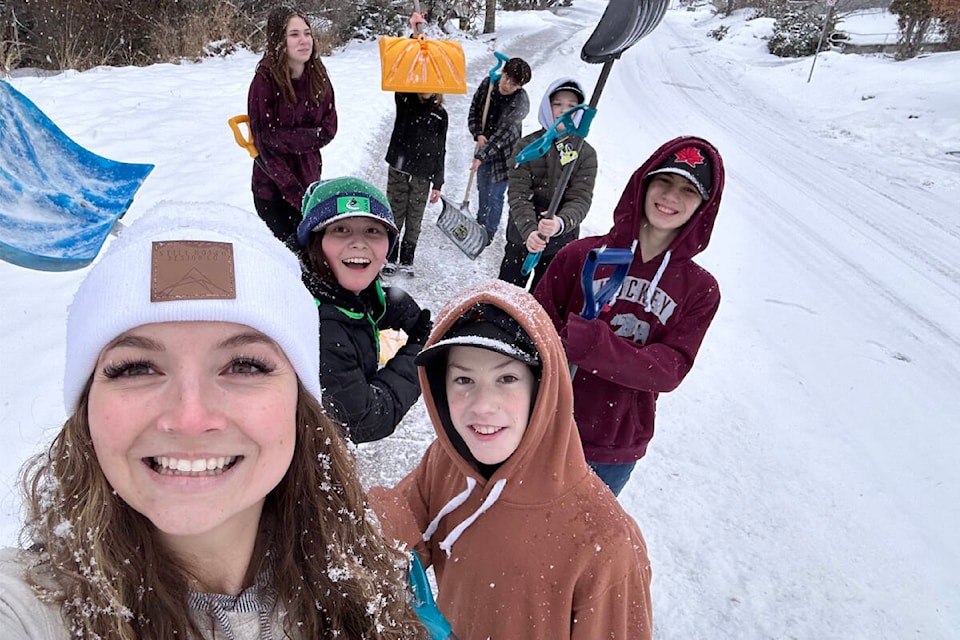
{"x":531,"y":187}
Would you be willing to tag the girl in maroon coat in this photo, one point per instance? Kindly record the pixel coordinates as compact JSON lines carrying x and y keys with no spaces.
{"x":292,"y":116}
{"x":644,"y":341}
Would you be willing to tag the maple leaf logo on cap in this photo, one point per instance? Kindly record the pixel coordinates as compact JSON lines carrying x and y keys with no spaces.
{"x":690,"y":163}
{"x":690,"y":156}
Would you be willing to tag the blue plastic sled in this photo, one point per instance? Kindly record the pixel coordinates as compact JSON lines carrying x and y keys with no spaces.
{"x":58,"y":201}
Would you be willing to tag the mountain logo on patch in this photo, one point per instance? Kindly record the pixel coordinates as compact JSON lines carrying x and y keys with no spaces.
{"x":192,"y":270}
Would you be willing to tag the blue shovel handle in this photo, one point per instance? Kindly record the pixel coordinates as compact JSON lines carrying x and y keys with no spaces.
{"x":594,"y":301}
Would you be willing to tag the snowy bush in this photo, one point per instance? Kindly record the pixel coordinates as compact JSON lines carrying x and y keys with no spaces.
{"x":523,"y":5}
{"x":760,"y":8}
{"x":796,"y":34}
{"x":719,"y":33}
{"x":370,"y":19}
{"x":79,"y":34}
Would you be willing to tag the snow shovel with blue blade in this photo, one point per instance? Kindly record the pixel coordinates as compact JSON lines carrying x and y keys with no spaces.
{"x":455,"y":220}
{"x":595,"y":299}
{"x":623,"y":23}
{"x":58,"y":200}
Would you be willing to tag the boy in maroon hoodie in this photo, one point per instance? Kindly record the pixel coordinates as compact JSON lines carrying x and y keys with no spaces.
{"x":645,"y":340}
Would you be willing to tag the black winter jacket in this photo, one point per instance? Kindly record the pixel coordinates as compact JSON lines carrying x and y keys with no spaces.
{"x":367,"y":399}
{"x":419,"y":138}
{"x":531,"y":188}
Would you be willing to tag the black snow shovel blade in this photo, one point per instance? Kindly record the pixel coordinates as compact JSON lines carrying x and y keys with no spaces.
{"x":465,"y":232}
{"x":622,"y":24}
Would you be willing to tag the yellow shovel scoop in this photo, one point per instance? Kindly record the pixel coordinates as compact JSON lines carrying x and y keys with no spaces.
{"x":418,"y":65}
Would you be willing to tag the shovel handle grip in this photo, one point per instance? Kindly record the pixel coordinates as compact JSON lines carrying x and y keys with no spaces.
{"x":539,"y":147}
{"x":416,"y":9}
{"x":530,"y":263}
{"x":244,"y":140}
{"x":594,"y":301}
{"x":494,"y":72}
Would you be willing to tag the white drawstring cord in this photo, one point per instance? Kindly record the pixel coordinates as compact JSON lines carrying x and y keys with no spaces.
{"x":648,"y":302}
{"x":455,"y":502}
{"x":452,"y":537}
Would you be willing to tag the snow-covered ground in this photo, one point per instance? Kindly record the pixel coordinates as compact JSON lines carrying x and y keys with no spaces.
{"x":803,"y":481}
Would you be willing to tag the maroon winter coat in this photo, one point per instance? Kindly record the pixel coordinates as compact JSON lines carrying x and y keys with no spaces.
{"x":634,"y":351}
{"x":288,"y":136}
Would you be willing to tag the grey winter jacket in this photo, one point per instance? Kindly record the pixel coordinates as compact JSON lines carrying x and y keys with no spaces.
{"x":532,"y":184}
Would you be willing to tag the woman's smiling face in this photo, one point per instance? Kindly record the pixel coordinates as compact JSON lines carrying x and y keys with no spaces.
{"x":299,"y":42}
{"x":194,"y":423}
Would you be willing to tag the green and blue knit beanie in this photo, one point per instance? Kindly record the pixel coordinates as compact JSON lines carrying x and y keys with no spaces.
{"x":327,"y":201}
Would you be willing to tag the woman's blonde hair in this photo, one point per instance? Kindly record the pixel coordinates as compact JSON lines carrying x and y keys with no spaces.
{"x":275,"y":58}
{"x":113,"y":578}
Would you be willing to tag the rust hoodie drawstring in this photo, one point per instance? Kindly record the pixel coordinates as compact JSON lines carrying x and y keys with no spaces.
{"x":455,"y":502}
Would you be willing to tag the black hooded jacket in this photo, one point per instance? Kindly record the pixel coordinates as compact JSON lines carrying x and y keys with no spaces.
{"x":418,"y":142}
{"x":369,"y":400}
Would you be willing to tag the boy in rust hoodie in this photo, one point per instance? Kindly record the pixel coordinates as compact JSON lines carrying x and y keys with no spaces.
{"x":645,"y":340}
{"x":526,"y":542}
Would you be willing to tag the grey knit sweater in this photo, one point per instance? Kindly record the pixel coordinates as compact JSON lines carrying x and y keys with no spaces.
{"x":24,"y":617}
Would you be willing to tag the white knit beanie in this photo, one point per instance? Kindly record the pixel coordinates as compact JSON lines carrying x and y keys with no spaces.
{"x":193,"y":261}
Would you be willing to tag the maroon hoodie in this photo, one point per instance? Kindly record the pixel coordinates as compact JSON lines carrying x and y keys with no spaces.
{"x":288,"y":137}
{"x":645,"y":341}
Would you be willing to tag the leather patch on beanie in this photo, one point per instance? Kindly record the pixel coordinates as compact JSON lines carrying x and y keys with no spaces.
{"x":192,"y":270}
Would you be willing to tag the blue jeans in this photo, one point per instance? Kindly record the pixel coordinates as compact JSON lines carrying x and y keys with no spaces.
{"x":614,"y":476}
{"x":491,"y":200}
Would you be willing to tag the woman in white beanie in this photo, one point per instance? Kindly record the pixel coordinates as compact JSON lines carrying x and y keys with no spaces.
{"x":197,"y":490}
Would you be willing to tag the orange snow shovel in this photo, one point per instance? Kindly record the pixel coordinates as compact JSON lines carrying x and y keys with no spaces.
{"x":245,"y":139}
{"x":418,"y":65}
{"x":240,"y":125}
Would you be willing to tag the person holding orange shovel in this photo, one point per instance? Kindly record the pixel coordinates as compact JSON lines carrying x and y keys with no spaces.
{"x":415,"y":159}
